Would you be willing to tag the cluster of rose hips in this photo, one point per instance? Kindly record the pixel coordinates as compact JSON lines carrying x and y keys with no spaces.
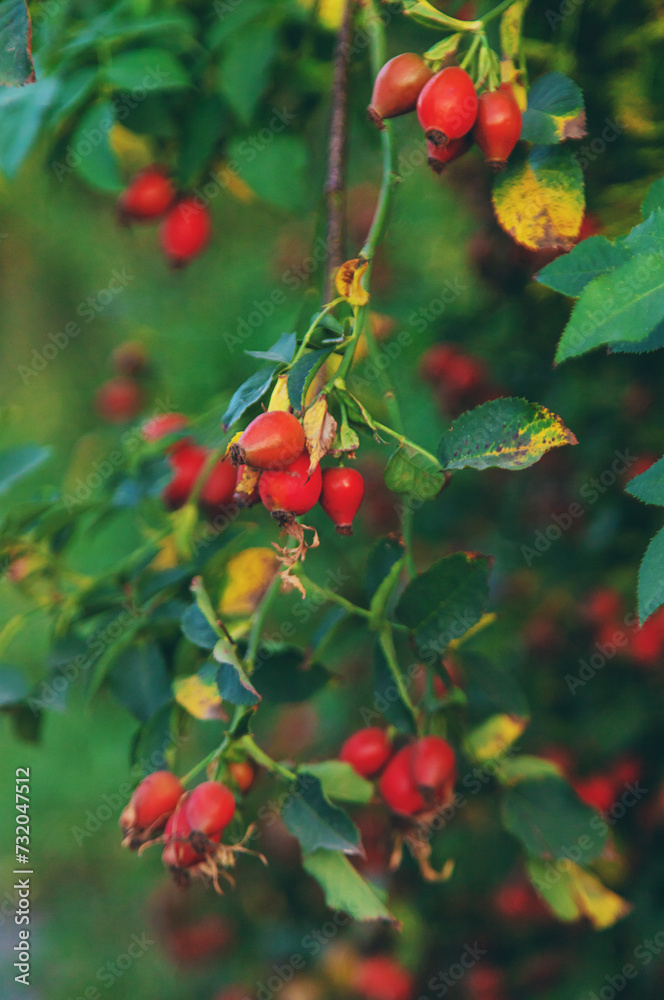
{"x":187,"y":225}
{"x":415,"y":780}
{"x":272,"y":452}
{"x":449,"y":109}
{"x":188,"y":824}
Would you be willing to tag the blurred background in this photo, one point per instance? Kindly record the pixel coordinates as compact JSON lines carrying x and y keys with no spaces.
{"x":477,"y":325}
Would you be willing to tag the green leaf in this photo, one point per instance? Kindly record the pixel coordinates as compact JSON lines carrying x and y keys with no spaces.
{"x":302,"y":375}
{"x":21,"y":112}
{"x":205,"y":124}
{"x":199,"y":694}
{"x":16,"y":463}
{"x":387,"y":699}
{"x":525,"y":767}
{"x":653,"y":342}
{"x":649,"y":485}
{"x":283,"y":350}
{"x":344,"y":887}
{"x":654,"y":199}
{"x":14,"y":687}
{"x":555,"y":110}
{"x":244,"y":71}
{"x":139,"y":680}
{"x":357,"y":412}
{"x":197,"y":628}
{"x":506,"y":433}
{"x":15,"y":44}
{"x":539,"y":201}
{"x":315,"y":822}
{"x":625,"y":305}
{"x":648,"y":236}
{"x":73,"y":91}
{"x":249,"y":393}
{"x":491,"y":688}
{"x":651,"y":578}
{"x":232,"y":681}
{"x":146,"y":69}
{"x":104,"y":545}
{"x":575,"y":894}
{"x":341,"y":781}
{"x":548,"y":818}
{"x":570,"y":273}
{"x":279,"y":173}
{"x":425,"y":13}
{"x":95,"y":160}
{"x":446,"y":600}
{"x":382,"y":557}
{"x":282,"y":677}
{"x":408,"y":471}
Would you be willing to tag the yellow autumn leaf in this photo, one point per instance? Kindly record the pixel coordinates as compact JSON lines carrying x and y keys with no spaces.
{"x":233,"y":183}
{"x":248,"y":575}
{"x":573,"y":893}
{"x":167,"y":557}
{"x":133,"y":151}
{"x":279,"y":399}
{"x":348,"y":281}
{"x":540,"y":202}
{"x":330,"y":12}
{"x":320,"y":428}
{"x":199,"y":694}
{"x":246,"y":486}
{"x":494,"y":737}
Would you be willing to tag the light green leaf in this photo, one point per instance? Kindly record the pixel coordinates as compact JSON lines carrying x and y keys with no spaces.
{"x":345,"y":889}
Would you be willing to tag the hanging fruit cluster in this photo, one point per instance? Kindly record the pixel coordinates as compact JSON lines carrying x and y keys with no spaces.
{"x":186,"y":226}
{"x":449,"y":108}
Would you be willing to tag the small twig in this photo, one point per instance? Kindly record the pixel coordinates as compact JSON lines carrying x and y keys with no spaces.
{"x":335,"y":183}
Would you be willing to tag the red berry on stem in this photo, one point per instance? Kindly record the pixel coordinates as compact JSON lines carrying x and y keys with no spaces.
{"x":366,"y":751}
{"x":383,"y":978}
{"x":433,"y":764}
{"x":272,"y":441}
{"x":187,"y":463}
{"x":209,"y":808}
{"x":243,"y":773}
{"x":219,"y":486}
{"x":447,"y":105}
{"x":152,"y":802}
{"x":118,"y":400}
{"x":148,"y":196}
{"x":397,"y":785}
{"x":162,"y":425}
{"x":341,"y":496}
{"x":291,"y":491}
{"x":185,"y":232}
{"x":178,"y":852}
{"x":440,"y":156}
{"x":397,"y":87}
{"x":498,"y":126}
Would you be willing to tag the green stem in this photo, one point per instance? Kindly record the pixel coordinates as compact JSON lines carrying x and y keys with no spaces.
{"x":204,"y":763}
{"x":258,"y":622}
{"x":265,"y":760}
{"x":317,"y":318}
{"x":406,"y":441}
{"x":497,"y":11}
{"x":352,"y":609}
{"x":386,"y":640}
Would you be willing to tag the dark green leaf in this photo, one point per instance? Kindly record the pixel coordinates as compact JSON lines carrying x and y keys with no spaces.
{"x":283,"y":350}
{"x":555,"y":110}
{"x":15,"y":463}
{"x":505,"y":433}
{"x":648,"y":236}
{"x":282,"y":677}
{"x":139,"y":680}
{"x":95,"y":160}
{"x":249,"y":393}
{"x":549,"y":819}
{"x":302,"y":375}
{"x":244,"y":71}
{"x":340,"y":781}
{"x":407,"y":471}
{"x":146,"y":69}
{"x":13,"y":686}
{"x":284,"y":157}
{"x":197,"y":628}
{"x":153,"y":741}
{"x":15,"y":44}
{"x":345,"y":889}
{"x":382,"y":557}
{"x":442,"y":603}
{"x":571,"y":272}
{"x":653,"y":342}
{"x":21,"y":112}
{"x":651,"y":578}
{"x":315,"y":822}
{"x":232,"y":681}
{"x":649,"y":486}
{"x":492,"y":689}
{"x":203,"y":127}
{"x":654,"y":199}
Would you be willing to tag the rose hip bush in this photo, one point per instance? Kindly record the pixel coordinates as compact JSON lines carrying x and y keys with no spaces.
{"x":248,"y":547}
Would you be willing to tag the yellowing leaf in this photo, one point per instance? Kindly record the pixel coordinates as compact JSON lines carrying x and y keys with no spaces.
{"x":199,"y":694}
{"x":320,"y":428}
{"x":510,"y":74}
{"x":573,"y":893}
{"x":348,"y":281}
{"x":233,"y":440}
{"x":510,"y":29}
{"x":494,"y":737}
{"x":132,"y":150}
{"x":279,"y":399}
{"x":330,"y":12}
{"x":234,"y":184}
{"x":540,"y":202}
{"x":246,"y":486}
{"x":167,"y":557}
{"x":249,"y":574}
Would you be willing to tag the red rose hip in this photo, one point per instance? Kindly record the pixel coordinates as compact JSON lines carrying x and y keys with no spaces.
{"x":291,"y":491}
{"x":433,"y":764}
{"x":367,"y":751}
{"x":397,"y":785}
{"x":440,"y":156}
{"x":341,"y":497}
{"x":152,"y":802}
{"x":498,"y":126}
{"x":187,"y":463}
{"x":397,"y":87}
{"x":272,"y":441}
{"x":185,"y":232}
{"x":447,"y":105}
{"x":148,"y":196}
